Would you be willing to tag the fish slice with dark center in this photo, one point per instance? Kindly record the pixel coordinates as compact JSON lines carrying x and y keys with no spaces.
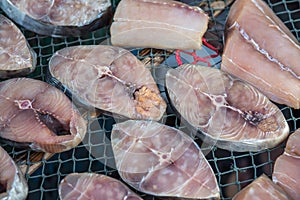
{"x":37,"y":115}
{"x":108,"y":78}
{"x":227,"y":111}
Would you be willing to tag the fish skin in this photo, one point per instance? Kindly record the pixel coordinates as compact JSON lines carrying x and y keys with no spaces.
{"x":272,"y":67}
{"x":162,"y":161}
{"x":10,"y":174}
{"x":226,"y":111}
{"x":54,"y":18}
{"x":17,"y":58}
{"x":94,"y":186}
{"x":163,"y":24}
{"x":38,"y":115}
{"x":118,"y":83}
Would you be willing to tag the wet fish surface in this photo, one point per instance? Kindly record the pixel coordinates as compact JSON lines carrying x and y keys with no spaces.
{"x":162,"y":161}
{"x":37,"y":115}
{"x":261,"y":50}
{"x":108,"y":78}
{"x":161,"y":24}
{"x":228,"y":112}
{"x":94,"y":186}
{"x":59,"y":18}
{"x":17,"y":58}
{"x":12,"y":182}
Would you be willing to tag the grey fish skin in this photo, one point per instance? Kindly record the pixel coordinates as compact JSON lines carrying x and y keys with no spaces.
{"x":11,"y":179}
{"x":17,"y":58}
{"x":59,"y":18}
{"x":226,"y":111}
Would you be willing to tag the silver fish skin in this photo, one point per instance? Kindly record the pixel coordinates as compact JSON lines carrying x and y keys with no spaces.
{"x":11,"y":179}
{"x":17,"y":58}
{"x":59,"y":18}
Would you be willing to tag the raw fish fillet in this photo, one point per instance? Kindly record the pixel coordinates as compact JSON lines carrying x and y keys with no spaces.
{"x":261,"y":188}
{"x":163,"y":161}
{"x":262,"y":51}
{"x":16,"y":56}
{"x":108,"y":78}
{"x":37,"y":115}
{"x":163,"y":24}
{"x":59,"y":17}
{"x":286,"y":169}
{"x":229,"y":112}
{"x":87,"y":186}
{"x":12,"y":182}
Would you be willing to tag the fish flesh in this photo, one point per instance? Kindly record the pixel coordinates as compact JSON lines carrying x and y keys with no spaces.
{"x":117,"y":83}
{"x":286,"y":169}
{"x":163,"y":24}
{"x":260,"y":50}
{"x":261,"y":188}
{"x":59,"y":18}
{"x":12,"y":182}
{"x":162,"y":161}
{"x":94,"y":186}
{"x":17,"y":58}
{"x":228,"y":112}
{"x":37,"y":115}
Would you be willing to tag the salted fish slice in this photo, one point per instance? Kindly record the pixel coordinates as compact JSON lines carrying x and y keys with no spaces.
{"x":16,"y":56}
{"x":12,"y":182}
{"x":59,"y":18}
{"x":108,"y":78}
{"x":286,"y":171}
{"x":229,"y":113}
{"x":37,"y":115}
{"x":94,"y":186}
{"x":163,"y":24}
{"x":261,"y":50}
{"x":162,"y":161}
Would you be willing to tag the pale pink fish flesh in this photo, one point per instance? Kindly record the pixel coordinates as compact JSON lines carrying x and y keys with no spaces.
{"x":286,"y":169}
{"x":164,"y":24}
{"x":86,"y":186}
{"x":117,"y":83}
{"x":162,"y":161}
{"x":16,"y":56}
{"x":227,"y":112}
{"x":12,"y":182}
{"x":261,"y":50}
{"x":261,"y":188}
{"x":59,"y":18}
{"x":37,"y":115}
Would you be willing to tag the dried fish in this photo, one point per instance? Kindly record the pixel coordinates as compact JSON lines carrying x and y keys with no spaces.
{"x":228,"y":112}
{"x":16,"y":56}
{"x":12,"y":182}
{"x":37,"y":115}
{"x":252,"y":55}
{"x":94,"y":186}
{"x":163,"y":161}
{"x":117,"y":83}
{"x":161,"y":24}
{"x":59,"y":18}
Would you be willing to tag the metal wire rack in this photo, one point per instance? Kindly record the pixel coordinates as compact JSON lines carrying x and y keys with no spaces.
{"x":233,"y":170}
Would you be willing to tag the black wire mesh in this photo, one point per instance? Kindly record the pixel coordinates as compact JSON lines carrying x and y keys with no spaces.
{"x":233,"y":170}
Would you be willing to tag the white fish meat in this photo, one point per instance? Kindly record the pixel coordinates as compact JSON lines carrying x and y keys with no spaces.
{"x":108,"y":78}
{"x":59,"y":18}
{"x":13,"y":185}
{"x":87,"y":186}
{"x":16,"y":56}
{"x":162,"y":161}
{"x":230,"y":113}
{"x":261,"y":50}
{"x":37,"y":115}
{"x":164,"y":24}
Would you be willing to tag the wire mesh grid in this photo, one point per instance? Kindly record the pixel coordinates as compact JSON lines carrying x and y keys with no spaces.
{"x":233,"y":170}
